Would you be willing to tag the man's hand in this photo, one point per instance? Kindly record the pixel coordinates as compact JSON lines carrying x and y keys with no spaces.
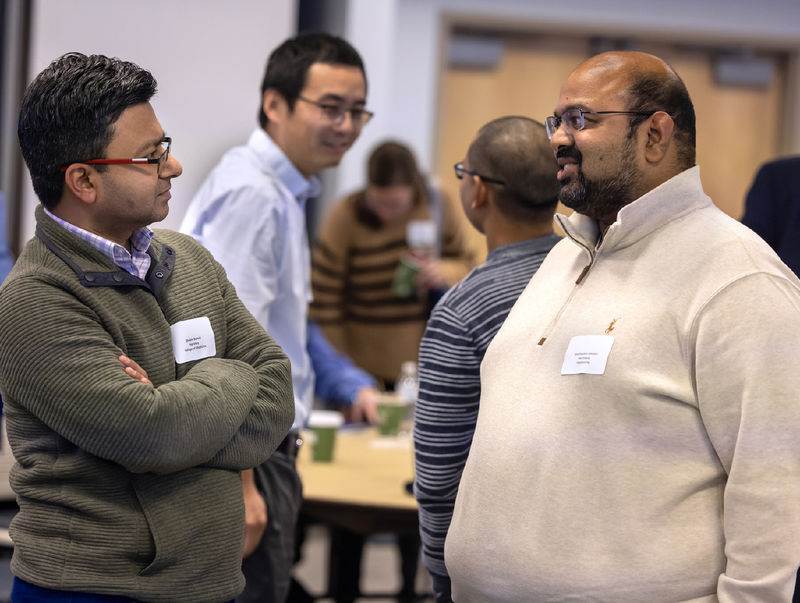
{"x":255,"y":514}
{"x":134,"y":370}
{"x":365,"y":405}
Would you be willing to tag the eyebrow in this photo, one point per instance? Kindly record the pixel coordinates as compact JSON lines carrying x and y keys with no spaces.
{"x":579,"y":106}
{"x":340,"y":99}
{"x":150,"y":145}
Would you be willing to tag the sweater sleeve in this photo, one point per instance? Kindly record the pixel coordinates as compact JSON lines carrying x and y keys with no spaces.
{"x":747,"y":383}
{"x":83,"y":394}
{"x":444,"y":422}
{"x":272,"y":412}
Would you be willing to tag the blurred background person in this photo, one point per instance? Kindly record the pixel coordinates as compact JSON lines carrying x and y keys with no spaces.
{"x":6,"y":259}
{"x":772,"y":208}
{"x":509,"y":193}
{"x":251,"y":214}
{"x":382,"y":257}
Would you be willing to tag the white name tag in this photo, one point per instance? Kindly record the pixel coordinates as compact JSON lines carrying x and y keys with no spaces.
{"x":587,"y":355}
{"x":193,"y":340}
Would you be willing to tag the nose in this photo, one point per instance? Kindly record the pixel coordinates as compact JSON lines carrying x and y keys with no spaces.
{"x":347,"y":123}
{"x":172,"y":168}
{"x":560,"y":138}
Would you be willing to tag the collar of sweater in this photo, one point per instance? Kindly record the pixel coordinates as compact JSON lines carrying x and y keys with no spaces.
{"x":681,"y":194}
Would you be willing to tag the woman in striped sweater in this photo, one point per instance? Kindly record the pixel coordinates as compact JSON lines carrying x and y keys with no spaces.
{"x":365,"y":256}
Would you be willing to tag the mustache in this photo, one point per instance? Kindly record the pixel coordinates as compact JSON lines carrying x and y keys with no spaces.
{"x":570,"y":153}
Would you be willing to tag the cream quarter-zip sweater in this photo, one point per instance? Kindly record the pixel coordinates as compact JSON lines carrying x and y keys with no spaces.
{"x":673,"y":476}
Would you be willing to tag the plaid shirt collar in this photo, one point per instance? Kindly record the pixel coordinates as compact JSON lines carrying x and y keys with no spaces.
{"x":137,"y":263}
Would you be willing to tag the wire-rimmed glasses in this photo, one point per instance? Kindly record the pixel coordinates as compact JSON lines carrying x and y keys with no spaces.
{"x":574,"y":120}
{"x":460,"y":170}
{"x":335,"y":112}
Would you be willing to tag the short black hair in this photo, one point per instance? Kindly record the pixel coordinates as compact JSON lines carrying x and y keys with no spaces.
{"x":288,"y":65}
{"x":665,"y":91}
{"x":68,"y":113}
{"x":516,"y":150}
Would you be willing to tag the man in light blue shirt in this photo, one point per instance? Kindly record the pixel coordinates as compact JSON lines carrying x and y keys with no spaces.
{"x":250,"y":213}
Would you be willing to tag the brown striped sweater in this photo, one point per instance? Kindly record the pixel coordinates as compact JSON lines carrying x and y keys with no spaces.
{"x":126,"y":489}
{"x":353,"y":265}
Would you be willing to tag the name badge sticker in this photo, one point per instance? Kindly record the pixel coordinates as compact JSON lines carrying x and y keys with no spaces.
{"x":587,"y":355}
{"x":193,"y":340}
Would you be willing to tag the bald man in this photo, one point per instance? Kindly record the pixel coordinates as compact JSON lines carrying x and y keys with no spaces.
{"x":638,"y":430}
{"x":509,"y":192}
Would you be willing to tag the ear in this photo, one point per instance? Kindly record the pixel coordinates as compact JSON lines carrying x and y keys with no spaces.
{"x":660,"y":127}
{"x":80,"y":182}
{"x":480,"y":199}
{"x":273,"y":105}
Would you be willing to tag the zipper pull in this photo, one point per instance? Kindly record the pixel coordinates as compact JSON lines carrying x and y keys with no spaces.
{"x":583,"y":274}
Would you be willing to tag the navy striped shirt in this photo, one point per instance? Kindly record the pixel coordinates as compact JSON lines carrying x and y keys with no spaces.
{"x":458,"y":333}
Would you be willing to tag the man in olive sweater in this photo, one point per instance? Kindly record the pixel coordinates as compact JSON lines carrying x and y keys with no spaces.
{"x":137,"y":386}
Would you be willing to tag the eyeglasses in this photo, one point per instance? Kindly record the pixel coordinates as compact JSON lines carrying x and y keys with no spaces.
{"x":335,"y":113}
{"x":165,"y":144}
{"x":461,"y":170}
{"x":574,"y":120}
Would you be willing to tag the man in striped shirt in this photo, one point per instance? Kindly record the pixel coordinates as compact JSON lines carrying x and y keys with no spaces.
{"x":509,"y":193}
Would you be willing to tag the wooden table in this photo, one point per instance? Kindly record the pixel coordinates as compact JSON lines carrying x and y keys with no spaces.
{"x":364,"y":488}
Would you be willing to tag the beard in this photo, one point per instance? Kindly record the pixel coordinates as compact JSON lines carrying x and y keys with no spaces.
{"x":600,"y":198}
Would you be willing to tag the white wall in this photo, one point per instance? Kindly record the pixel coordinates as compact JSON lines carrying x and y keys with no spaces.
{"x":207,"y":55}
{"x":401,"y":43}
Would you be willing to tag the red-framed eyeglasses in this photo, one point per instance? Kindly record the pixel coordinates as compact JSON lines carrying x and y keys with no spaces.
{"x":166,"y":144}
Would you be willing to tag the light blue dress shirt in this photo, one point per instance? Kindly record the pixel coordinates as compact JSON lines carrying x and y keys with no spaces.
{"x":250,"y":213}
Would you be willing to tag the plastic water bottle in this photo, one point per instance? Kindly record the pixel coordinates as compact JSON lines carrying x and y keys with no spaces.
{"x":407,"y":386}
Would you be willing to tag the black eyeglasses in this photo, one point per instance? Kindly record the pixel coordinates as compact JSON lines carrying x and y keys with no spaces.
{"x":335,"y":112}
{"x":165,"y":144}
{"x":461,"y":170}
{"x":574,"y":120}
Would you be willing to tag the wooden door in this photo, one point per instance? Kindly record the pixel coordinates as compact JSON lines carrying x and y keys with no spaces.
{"x":737,"y":128}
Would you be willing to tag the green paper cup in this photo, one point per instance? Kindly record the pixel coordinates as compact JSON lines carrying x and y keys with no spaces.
{"x":324,"y":424}
{"x":391,"y":412}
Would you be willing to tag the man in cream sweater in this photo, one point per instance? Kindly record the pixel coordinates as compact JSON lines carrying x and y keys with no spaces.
{"x":637,"y":435}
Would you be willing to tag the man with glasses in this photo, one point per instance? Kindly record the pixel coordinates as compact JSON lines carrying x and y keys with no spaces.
{"x":509,"y":192}
{"x":637,"y":435}
{"x":137,"y":386}
{"x":250,"y":213}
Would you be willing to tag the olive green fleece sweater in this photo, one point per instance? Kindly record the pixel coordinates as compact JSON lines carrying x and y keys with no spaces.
{"x":123,"y":488}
